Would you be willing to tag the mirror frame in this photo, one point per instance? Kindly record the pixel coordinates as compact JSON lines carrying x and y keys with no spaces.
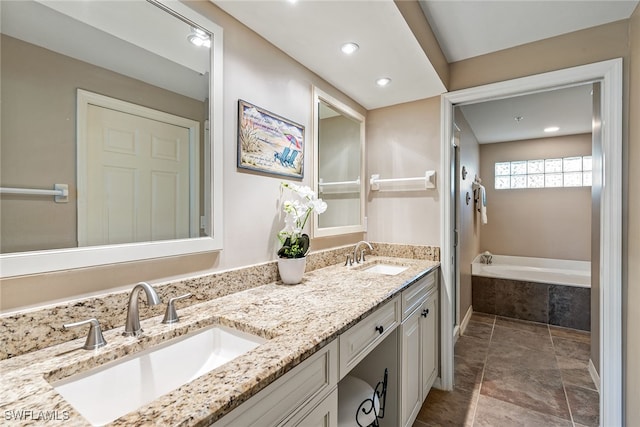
{"x":321,"y":96}
{"x":34,"y":262}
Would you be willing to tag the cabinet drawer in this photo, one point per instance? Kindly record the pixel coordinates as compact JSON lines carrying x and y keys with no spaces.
{"x":358,"y":341}
{"x":303,"y":387}
{"x":415,"y":295}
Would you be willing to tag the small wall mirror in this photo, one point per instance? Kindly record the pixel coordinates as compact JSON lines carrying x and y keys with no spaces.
{"x":111,"y":105}
{"x":338,"y":166}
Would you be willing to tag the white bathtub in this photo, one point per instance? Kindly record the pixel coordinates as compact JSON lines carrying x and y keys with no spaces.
{"x":541,"y":270}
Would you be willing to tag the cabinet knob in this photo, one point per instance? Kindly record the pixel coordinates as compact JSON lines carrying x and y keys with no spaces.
{"x":425,"y":312}
{"x":380,"y":329}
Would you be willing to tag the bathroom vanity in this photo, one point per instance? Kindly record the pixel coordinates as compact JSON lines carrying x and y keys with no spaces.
{"x":313,"y":334}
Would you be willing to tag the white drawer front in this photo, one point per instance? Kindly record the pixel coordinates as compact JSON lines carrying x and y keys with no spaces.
{"x":307,"y":384}
{"x":358,"y":341}
{"x":414,"y":296}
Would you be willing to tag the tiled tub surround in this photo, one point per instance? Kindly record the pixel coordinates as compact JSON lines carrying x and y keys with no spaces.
{"x":35,"y":329}
{"x":297,"y":320}
{"x":556,"y":292}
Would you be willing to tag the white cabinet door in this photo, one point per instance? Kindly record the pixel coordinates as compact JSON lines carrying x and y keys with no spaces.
{"x":411,"y":389}
{"x":429,"y":338}
{"x":323,"y":415}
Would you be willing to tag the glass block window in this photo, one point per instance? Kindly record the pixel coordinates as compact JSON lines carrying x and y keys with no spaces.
{"x":544,"y":173}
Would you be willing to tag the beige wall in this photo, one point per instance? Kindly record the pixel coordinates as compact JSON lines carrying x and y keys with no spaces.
{"x":631,"y":297}
{"x":38,"y":136}
{"x":469,"y":218}
{"x":254,"y":70}
{"x":403,"y":141}
{"x":546,"y":222}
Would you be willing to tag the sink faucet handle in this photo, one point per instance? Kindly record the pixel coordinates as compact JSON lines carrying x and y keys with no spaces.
{"x":94,"y":338}
{"x":171,"y":315}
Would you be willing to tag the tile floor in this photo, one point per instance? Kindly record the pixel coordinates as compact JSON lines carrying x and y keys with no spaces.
{"x":515,"y":373}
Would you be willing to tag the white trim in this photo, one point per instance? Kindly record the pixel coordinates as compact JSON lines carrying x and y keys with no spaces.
{"x":609,"y":73}
{"x":594,"y":375}
{"x":466,"y":320}
{"x":24,"y":263}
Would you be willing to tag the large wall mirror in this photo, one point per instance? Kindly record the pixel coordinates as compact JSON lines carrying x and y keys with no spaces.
{"x":339,"y":166}
{"x":116,"y":107}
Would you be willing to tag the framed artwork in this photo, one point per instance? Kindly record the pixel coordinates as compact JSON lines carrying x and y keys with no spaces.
{"x":269,"y":143}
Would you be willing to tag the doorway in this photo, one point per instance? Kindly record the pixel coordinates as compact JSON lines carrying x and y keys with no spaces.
{"x":609,"y":74}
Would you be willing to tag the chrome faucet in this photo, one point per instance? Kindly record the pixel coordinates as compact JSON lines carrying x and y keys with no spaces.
{"x":132,"y":327}
{"x":359,"y":256}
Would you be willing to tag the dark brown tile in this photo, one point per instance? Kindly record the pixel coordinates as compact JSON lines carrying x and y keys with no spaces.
{"x":572,"y":349}
{"x":570,"y":334}
{"x":478,"y":330}
{"x":575,"y":372}
{"x":483,"y":294}
{"x":467,"y":375}
{"x":483,"y":317}
{"x":535,"y":389}
{"x":471,"y":349}
{"x":497,"y":413}
{"x":448,"y":408}
{"x":522,"y":338}
{"x":524,"y":325}
{"x":522,"y":300}
{"x":570,"y":306}
{"x":584,"y":405}
{"x":419,"y":423}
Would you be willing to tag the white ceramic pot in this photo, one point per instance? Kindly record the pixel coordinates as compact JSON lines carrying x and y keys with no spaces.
{"x":291,"y":270}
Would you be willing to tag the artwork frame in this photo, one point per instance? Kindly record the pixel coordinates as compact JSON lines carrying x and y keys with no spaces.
{"x":269,"y":143}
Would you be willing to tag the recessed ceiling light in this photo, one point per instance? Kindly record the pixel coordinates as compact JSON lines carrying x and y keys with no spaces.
{"x":199,"y":37}
{"x":552,"y":129}
{"x":518,"y":118}
{"x":384,"y":81}
{"x":349,"y":48}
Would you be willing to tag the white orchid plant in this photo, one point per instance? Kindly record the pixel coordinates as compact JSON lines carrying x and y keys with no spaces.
{"x":295,"y":243}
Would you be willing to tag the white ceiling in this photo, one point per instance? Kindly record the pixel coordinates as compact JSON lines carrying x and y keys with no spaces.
{"x":312,"y":31}
{"x":467,"y":28}
{"x":568,"y":108}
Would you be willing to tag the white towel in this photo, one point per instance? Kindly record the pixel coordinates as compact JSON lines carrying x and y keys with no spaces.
{"x":483,"y":203}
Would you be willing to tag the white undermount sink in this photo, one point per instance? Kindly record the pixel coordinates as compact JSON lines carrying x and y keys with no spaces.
{"x":105,"y":393}
{"x":388,"y":269}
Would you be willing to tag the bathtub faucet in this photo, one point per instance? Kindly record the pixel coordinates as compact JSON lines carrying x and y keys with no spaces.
{"x":486,"y":258}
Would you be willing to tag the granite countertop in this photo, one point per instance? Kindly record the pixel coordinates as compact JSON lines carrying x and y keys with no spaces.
{"x":297,"y":321}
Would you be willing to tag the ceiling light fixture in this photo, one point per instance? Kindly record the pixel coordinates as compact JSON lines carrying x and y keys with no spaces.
{"x":384,"y":81}
{"x":518,"y":118}
{"x":199,"y":37}
{"x":552,"y":129}
{"x":349,"y":48}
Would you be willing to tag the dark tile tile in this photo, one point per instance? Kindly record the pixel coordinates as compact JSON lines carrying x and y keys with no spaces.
{"x":448,"y":408}
{"x":570,"y":306}
{"x":575,"y":372}
{"x":483,"y":317}
{"x":467,"y":375}
{"x":497,"y":413}
{"x":483,"y":294}
{"x":471,"y":349}
{"x":572,"y":349}
{"x":522,"y":338}
{"x":508,"y":357}
{"x":478,"y":330}
{"x":525,"y":325}
{"x":570,"y":334}
{"x":584,"y":405}
{"x":535,"y":389}
{"x":522,"y":300}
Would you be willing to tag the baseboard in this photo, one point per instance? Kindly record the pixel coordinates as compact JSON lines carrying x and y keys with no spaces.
{"x":594,"y":375}
{"x":465,"y":320}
